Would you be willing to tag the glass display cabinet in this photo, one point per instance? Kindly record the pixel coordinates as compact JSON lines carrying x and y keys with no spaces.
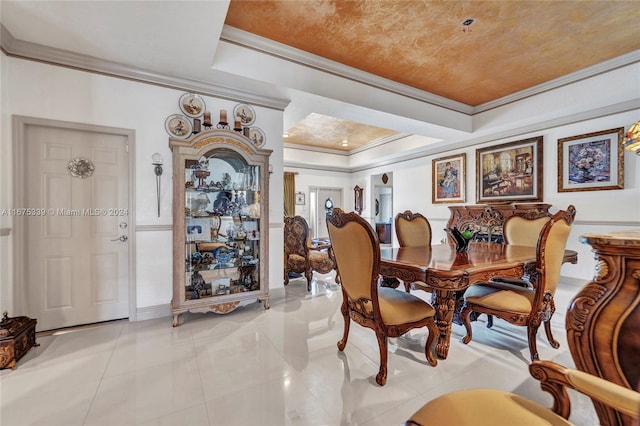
{"x":220,"y":223}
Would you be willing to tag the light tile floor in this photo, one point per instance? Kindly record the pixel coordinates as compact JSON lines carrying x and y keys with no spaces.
{"x":257,"y":367}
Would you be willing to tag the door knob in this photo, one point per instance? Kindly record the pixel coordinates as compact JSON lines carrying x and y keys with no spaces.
{"x":122,"y":238}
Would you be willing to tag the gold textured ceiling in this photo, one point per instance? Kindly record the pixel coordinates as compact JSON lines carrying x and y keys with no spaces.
{"x":510,"y":46}
{"x":330,"y":132}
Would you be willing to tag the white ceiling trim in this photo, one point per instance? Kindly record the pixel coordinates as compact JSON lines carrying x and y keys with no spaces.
{"x":603,"y":67}
{"x":451,"y":147}
{"x":379,"y":142}
{"x":26,"y":50}
{"x":260,"y":44}
{"x":251,"y":41}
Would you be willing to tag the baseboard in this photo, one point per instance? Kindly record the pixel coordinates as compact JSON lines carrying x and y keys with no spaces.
{"x":153,"y":312}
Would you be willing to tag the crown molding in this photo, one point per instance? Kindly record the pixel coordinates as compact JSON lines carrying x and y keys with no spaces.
{"x":378,"y":142}
{"x":603,"y":67}
{"x":519,"y":131}
{"x":50,"y":55}
{"x":273,"y":48}
{"x":269,"y":47}
{"x":467,"y":143}
{"x":324,"y":168}
{"x":316,"y":149}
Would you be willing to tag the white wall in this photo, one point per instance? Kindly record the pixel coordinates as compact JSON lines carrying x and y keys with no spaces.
{"x":40,"y":90}
{"x":571,"y":110}
{"x":307,"y":178}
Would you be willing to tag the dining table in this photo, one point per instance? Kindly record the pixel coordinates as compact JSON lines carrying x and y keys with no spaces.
{"x":447,"y":273}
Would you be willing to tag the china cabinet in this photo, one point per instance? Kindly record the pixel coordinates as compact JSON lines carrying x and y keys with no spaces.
{"x":220,"y":231}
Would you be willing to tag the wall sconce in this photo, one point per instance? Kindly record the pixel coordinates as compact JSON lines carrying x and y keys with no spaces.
{"x":157,"y":161}
{"x":632,"y":138}
{"x":357,"y":202}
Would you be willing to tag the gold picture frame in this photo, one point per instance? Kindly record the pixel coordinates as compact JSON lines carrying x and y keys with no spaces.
{"x":591,"y":162}
{"x":510,"y":172}
{"x":449,"y":179}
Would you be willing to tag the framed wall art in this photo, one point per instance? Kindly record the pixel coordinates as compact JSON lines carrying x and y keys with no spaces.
{"x":591,"y":162}
{"x":300,"y":198}
{"x":510,"y":172}
{"x":448,"y":179}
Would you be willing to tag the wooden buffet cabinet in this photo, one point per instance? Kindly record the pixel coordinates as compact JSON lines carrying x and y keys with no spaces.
{"x":487,"y":220}
{"x":220,"y":223}
{"x":603,"y":319}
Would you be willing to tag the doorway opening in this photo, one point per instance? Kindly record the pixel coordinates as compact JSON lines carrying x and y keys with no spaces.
{"x":320,"y":201}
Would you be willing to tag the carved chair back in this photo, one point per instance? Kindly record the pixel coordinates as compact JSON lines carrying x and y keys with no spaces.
{"x":551,"y":247}
{"x":357,"y":255}
{"x":299,"y":257}
{"x":296,"y":254}
{"x":522,"y":231}
{"x":412,"y":229}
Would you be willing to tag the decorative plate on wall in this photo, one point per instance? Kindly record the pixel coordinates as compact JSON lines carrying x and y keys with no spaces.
{"x":192,"y":105}
{"x":257,"y":136}
{"x":244,"y":114}
{"x":178,"y":126}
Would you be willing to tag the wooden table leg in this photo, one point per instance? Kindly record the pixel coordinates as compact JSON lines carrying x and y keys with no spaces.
{"x":444,"y":304}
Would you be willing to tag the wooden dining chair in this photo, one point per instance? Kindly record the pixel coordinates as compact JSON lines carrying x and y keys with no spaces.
{"x":526,"y":306}
{"x":413,"y":230}
{"x":387,"y":311}
{"x":521,"y":231}
{"x":299,"y":256}
{"x":489,"y":407}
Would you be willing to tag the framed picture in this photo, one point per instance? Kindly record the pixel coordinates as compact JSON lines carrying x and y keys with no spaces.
{"x":300,"y":198}
{"x":510,"y":172}
{"x":591,"y":162}
{"x":448,"y":179}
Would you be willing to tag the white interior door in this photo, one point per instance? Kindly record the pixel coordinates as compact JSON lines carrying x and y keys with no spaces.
{"x":77,"y":254}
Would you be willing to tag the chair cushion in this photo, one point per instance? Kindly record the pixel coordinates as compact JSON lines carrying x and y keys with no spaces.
{"x":504,"y":297}
{"x":320,"y":261}
{"x":399,"y":307}
{"x":297,"y":262}
{"x":485,"y":407}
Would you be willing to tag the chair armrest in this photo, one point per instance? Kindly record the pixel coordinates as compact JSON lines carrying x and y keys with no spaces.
{"x":555,"y":378}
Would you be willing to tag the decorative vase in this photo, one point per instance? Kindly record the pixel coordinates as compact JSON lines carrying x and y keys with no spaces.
{"x":462,"y":243}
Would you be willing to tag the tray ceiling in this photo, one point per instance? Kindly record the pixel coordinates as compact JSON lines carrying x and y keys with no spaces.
{"x":510,"y":46}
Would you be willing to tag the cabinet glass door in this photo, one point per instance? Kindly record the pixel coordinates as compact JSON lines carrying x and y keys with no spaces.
{"x":222,"y":224}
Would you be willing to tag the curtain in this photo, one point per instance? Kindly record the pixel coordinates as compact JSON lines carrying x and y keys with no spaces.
{"x":289,"y":194}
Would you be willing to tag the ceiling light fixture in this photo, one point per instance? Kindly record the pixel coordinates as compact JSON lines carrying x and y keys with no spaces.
{"x":466,"y":25}
{"x":345,"y":142}
{"x":285,"y":135}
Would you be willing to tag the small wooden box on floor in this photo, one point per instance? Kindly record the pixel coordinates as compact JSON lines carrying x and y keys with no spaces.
{"x":17,"y":336}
